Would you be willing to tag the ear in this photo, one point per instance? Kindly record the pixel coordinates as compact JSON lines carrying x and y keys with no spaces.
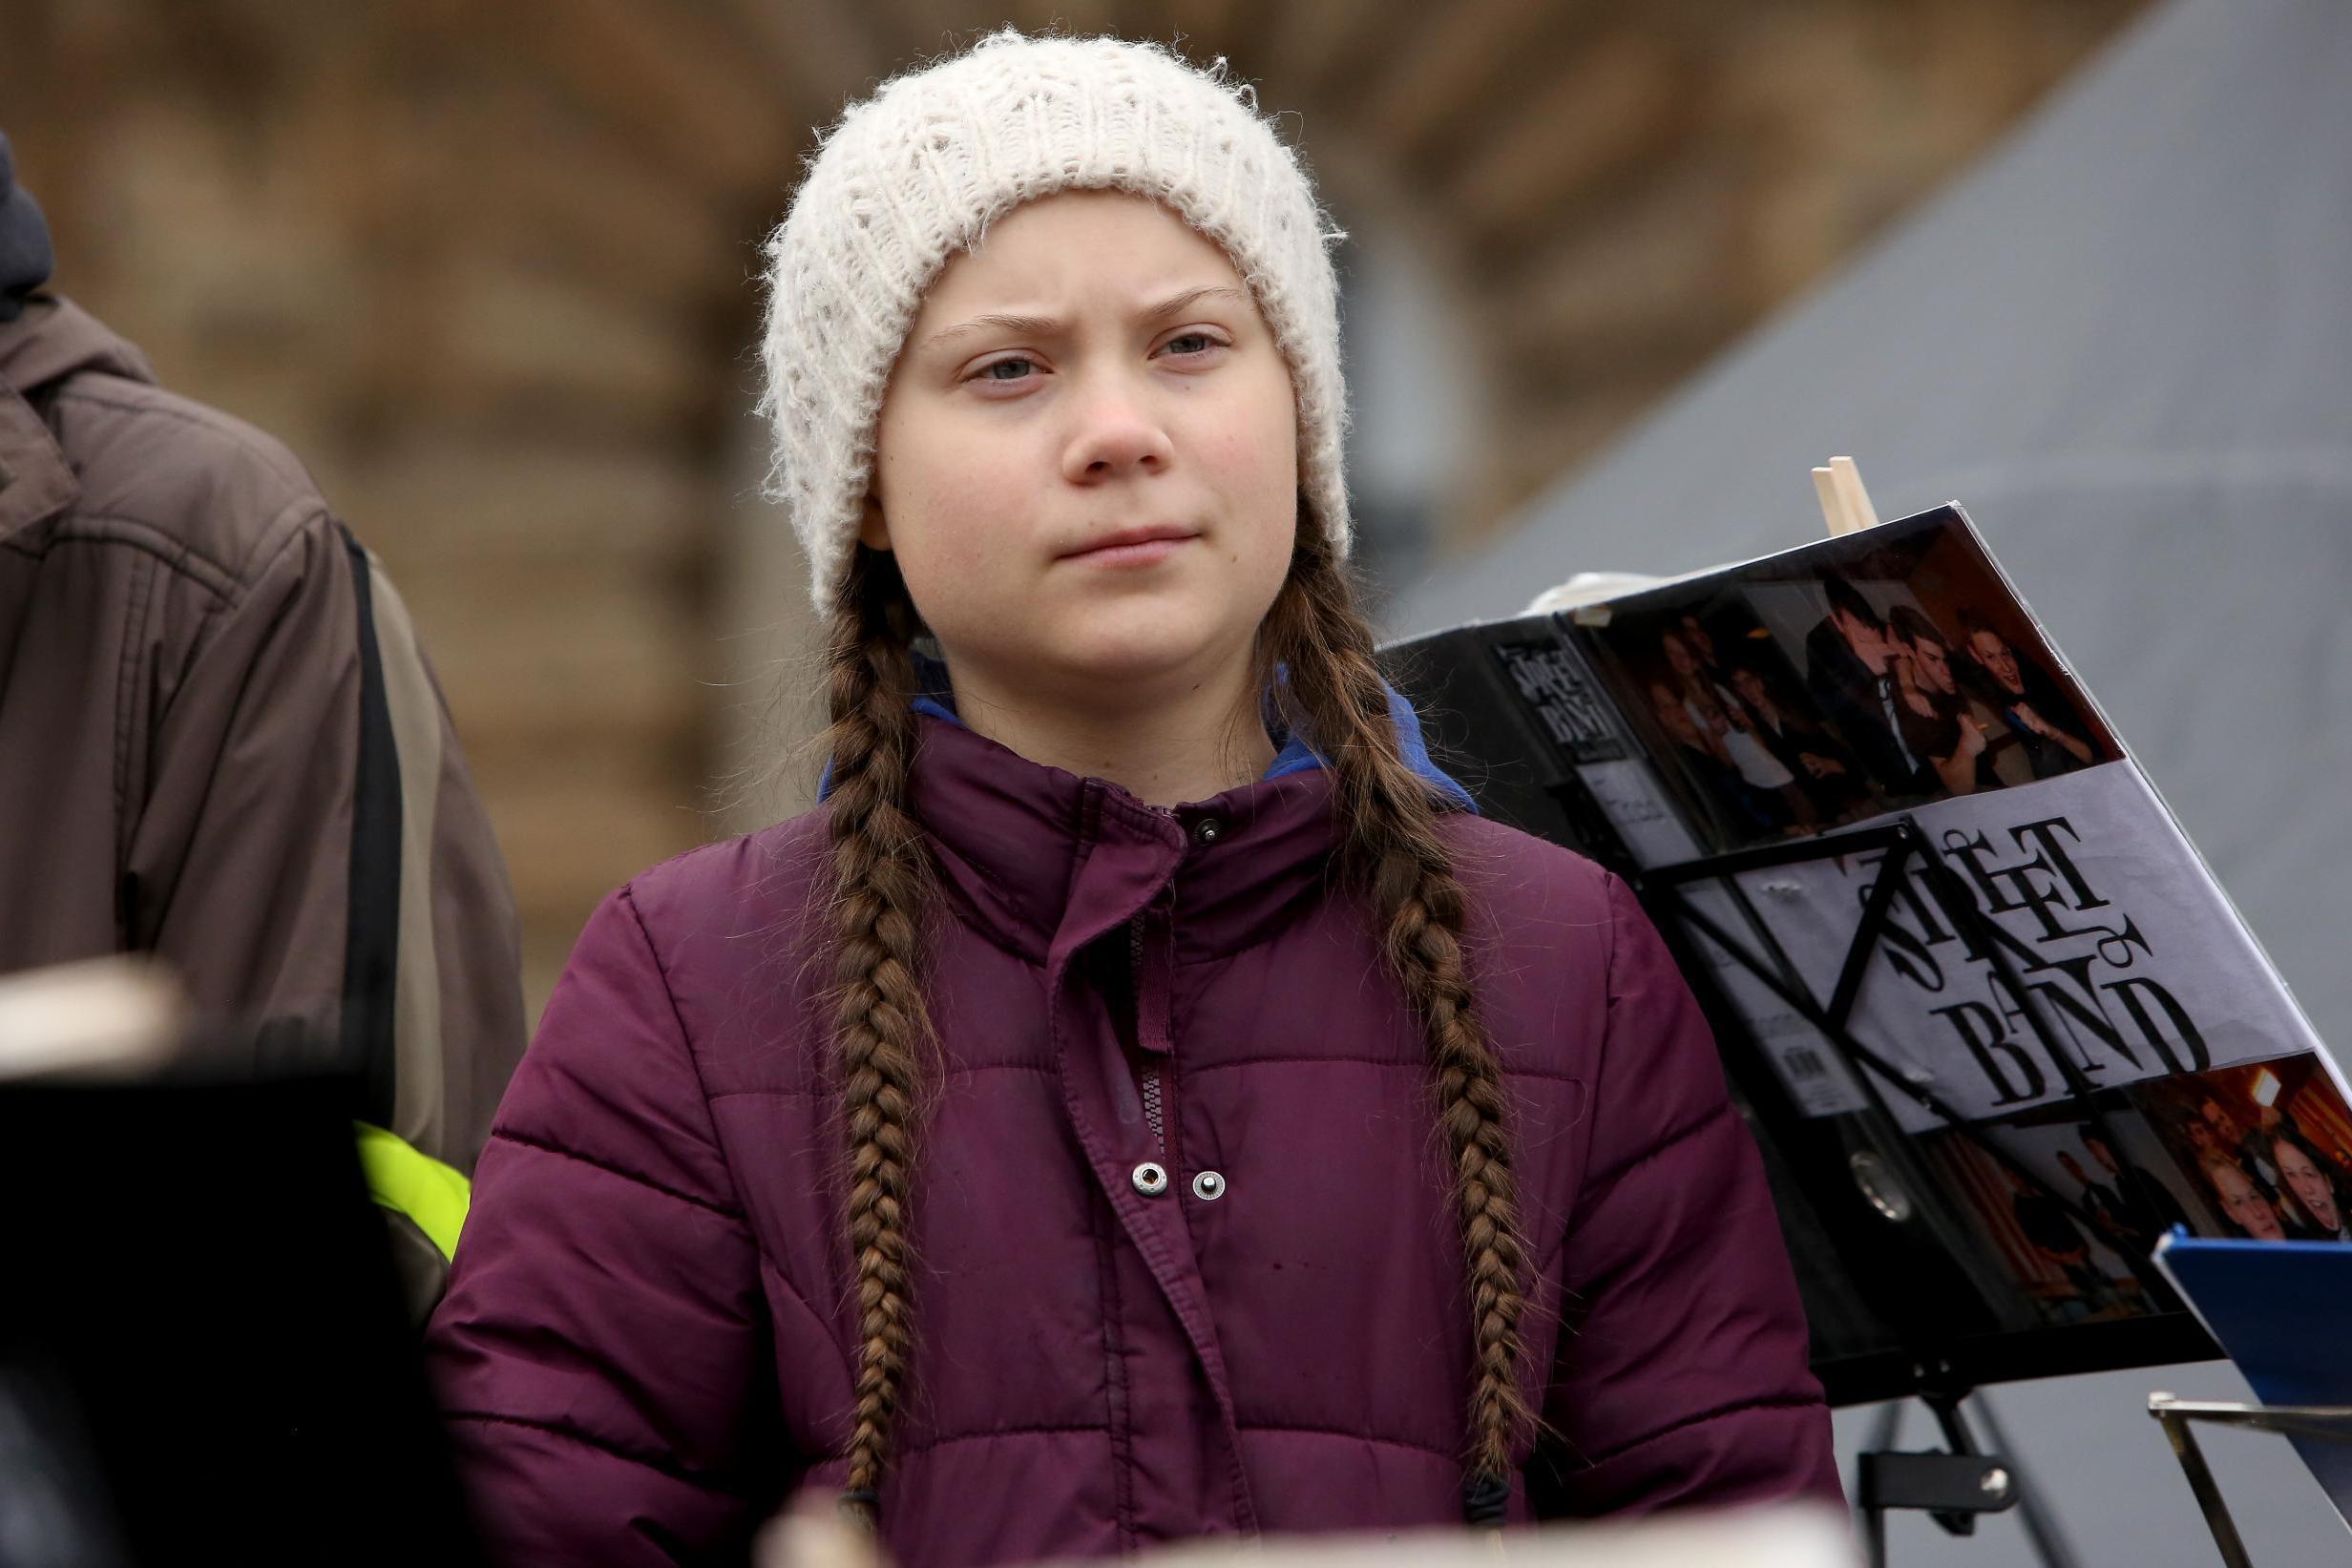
{"x":873,"y":530}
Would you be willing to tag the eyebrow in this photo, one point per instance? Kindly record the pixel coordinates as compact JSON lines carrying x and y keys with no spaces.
{"x":1048,"y":325}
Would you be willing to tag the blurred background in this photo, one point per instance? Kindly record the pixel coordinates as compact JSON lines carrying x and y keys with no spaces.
{"x":491,"y":270}
{"x":1619,"y":274}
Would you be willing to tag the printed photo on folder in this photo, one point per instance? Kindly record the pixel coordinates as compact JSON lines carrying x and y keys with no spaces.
{"x":1970,"y":973}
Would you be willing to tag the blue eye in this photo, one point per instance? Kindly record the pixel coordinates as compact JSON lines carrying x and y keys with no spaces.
{"x":1205,"y":342}
{"x":990,"y":370}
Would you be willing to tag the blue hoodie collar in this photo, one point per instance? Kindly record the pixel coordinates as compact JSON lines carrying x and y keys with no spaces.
{"x":1294,"y":756}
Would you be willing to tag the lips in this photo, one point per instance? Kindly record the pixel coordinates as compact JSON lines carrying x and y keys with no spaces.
{"x":1159,"y":534}
{"x":1132,"y":548}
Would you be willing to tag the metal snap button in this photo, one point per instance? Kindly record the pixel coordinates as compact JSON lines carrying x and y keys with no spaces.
{"x":1207,"y":832}
{"x":1209,"y":1187}
{"x":1150,"y":1179}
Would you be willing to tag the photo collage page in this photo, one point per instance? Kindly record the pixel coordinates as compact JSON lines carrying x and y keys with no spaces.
{"x":2078,"y":1032}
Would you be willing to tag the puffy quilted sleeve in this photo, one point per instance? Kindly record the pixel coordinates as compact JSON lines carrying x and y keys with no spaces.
{"x":601,"y":1353}
{"x":1681,"y":1375}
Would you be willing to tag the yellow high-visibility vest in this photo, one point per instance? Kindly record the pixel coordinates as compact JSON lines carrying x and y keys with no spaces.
{"x":402,"y":1179}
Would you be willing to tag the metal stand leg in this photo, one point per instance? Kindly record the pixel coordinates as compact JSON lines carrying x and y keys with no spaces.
{"x":2327,"y":1423}
{"x":1885,"y":1431}
{"x":1886,"y":1427}
{"x":2050,"y":1544}
{"x":2208,"y":1494}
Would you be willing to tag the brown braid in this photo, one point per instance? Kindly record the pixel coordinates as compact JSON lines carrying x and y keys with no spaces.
{"x":881,"y":876}
{"x":1392,"y":847}
{"x":881,"y":880}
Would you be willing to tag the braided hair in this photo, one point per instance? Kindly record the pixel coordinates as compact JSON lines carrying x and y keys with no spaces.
{"x":1392,"y":852}
{"x":881,"y":878}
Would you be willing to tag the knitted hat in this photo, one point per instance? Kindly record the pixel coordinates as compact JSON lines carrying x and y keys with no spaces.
{"x":915,"y":173}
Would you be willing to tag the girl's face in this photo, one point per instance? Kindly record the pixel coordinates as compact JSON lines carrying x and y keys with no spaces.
{"x":2309,"y":1185}
{"x":1088,"y":461}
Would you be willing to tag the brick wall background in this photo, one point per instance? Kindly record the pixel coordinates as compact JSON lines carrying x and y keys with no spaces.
{"x":489,"y":268}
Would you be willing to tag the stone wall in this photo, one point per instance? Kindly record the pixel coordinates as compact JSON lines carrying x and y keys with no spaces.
{"x":489,"y":269}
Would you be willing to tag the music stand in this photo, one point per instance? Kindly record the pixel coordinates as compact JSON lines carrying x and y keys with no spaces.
{"x":1944,"y":1339}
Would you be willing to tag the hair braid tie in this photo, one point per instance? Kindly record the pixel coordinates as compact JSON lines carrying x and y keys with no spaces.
{"x":1486,"y":1499}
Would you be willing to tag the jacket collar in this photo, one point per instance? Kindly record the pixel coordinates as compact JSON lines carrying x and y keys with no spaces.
{"x":1031,"y":852}
{"x":1012,"y":836}
{"x":937,"y":700}
{"x":51,"y":339}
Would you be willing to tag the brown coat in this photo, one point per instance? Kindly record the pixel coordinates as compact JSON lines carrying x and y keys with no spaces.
{"x":221,"y":743}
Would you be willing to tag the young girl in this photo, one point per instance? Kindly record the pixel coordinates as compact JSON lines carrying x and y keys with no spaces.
{"x":1143,"y":1099}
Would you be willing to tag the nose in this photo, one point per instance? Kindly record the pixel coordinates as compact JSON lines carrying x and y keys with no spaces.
{"x":1114,"y":434}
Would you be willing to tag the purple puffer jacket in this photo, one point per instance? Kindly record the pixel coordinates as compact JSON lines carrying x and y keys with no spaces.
{"x":648,"y":1340}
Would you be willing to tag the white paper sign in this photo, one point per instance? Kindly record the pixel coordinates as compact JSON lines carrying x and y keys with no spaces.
{"x":2115,"y":933}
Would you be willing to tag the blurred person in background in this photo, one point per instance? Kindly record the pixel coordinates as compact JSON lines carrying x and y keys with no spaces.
{"x":1144,"y":1100}
{"x":220,"y":745}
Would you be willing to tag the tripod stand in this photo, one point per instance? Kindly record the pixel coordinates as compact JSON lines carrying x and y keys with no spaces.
{"x":1953,"y":1485}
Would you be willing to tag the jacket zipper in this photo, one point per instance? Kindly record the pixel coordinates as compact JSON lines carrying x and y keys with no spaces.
{"x":1153,"y":1085}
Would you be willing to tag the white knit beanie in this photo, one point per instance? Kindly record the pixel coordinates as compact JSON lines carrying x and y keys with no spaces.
{"x":915,"y":173}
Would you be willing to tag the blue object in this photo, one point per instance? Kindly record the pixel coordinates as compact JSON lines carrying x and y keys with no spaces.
{"x":2282,"y":1311}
